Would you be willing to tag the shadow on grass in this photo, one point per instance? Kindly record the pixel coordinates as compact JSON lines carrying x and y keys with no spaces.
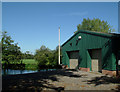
{"x":34,"y":82}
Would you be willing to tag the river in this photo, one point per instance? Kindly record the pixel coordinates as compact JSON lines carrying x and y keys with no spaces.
{"x":13,"y":72}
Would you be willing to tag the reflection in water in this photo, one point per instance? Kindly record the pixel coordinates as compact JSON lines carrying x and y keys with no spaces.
{"x":10,"y":71}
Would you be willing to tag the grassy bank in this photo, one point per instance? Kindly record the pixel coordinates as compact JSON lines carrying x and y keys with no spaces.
{"x":29,"y":61}
{"x":24,"y":61}
{"x":29,"y":64}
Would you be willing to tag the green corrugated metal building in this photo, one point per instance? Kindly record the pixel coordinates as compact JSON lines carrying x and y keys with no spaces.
{"x":92,"y":51}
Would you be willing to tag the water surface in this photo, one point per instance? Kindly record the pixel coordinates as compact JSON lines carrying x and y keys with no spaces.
{"x":13,"y":72}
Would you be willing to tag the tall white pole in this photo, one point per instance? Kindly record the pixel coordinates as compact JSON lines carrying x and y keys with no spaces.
{"x":59,"y":47}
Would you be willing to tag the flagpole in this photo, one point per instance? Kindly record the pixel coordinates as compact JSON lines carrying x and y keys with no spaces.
{"x":59,"y":47}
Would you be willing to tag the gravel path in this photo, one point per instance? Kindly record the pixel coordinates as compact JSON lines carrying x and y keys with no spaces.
{"x":60,"y":80}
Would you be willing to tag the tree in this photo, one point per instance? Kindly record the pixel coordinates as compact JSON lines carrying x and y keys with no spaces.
{"x":42,"y":55}
{"x":10,"y":50}
{"x":27,"y":55}
{"x":46,"y":57}
{"x":95,"y":25}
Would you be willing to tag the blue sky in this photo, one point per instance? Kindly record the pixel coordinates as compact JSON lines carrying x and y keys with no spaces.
{"x":34,"y":24}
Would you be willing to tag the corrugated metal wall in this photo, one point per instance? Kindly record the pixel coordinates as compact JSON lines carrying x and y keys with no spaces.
{"x":87,"y":42}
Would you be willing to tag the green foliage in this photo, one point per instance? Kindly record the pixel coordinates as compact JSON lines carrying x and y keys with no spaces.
{"x":95,"y":25}
{"x":10,"y":58}
{"x":27,"y":55}
{"x":11,"y":54}
{"x":47,"y":57}
{"x":42,"y":55}
{"x":31,"y":66}
{"x":10,"y":50}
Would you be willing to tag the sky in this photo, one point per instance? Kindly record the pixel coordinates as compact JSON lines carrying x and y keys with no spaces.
{"x":33,"y":24}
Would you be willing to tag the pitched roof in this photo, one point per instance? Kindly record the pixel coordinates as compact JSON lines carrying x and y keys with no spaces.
{"x":107,"y":35}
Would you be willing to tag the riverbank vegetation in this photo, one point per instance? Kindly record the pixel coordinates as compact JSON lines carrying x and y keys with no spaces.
{"x":13,"y":58}
{"x":46,"y":57}
{"x":27,"y":64}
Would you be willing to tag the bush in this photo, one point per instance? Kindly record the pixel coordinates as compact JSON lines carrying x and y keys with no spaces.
{"x":46,"y":57}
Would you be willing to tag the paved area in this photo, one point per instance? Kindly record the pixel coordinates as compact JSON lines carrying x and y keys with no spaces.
{"x":60,"y":80}
{"x":80,"y":80}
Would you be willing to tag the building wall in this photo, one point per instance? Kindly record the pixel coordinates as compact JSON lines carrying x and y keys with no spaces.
{"x":87,"y":42}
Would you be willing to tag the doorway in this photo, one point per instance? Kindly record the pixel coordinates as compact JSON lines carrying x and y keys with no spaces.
{"x":73,"y":59}
{"x":96,"y":62}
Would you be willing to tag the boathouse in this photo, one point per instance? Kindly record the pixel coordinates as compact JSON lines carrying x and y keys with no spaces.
{"x":92,"y":51}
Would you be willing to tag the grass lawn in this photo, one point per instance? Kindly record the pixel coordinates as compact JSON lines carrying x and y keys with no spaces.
{"x":30,"y":64}
{"x":29,"y":61}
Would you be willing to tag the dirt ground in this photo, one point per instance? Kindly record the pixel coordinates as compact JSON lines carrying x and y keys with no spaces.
{"x":60,"y":80}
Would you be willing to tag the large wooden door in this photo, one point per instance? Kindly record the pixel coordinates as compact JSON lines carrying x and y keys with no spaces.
{"x":95,"y":65}
{"x":73,"y":63}
{"x":96,"y":60}
{"x":73,"y":59}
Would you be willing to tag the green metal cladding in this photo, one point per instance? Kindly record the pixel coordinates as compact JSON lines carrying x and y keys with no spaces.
{"x":108,"y":43}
